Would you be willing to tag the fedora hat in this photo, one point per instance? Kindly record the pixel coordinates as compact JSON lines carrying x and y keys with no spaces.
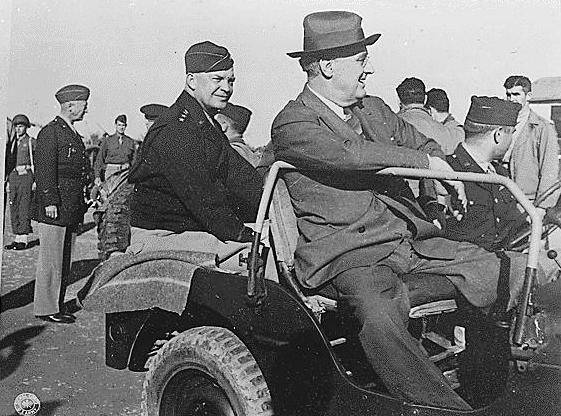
{"x":332,"y":30}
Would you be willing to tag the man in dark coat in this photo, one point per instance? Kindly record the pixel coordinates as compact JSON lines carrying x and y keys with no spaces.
{"x":193,"y":191}
{"x":62,"y":172}
{"x":354,"y":232}
{"x":20,"y":175}
{"x":491,"y":217}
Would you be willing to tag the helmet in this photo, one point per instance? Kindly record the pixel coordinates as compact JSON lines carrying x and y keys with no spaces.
{"x":21,"y":119}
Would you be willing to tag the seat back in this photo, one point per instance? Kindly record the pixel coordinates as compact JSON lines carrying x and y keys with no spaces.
{"x":283,"y":229}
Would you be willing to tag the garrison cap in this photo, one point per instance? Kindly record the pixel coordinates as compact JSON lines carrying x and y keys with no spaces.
{"x":72,"y":93}
{"x":207,"y":57}
{"x":152,"y":111}
{"x":122,"y":118}
{"x":239,"y":114}
{"x":493,"y":111}
{"x":21,"y":119}
{"x":437,"y":98}
{"x":411,"y":89}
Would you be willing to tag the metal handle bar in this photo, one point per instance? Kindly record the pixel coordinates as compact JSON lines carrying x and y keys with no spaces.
{"x":535,"y":218}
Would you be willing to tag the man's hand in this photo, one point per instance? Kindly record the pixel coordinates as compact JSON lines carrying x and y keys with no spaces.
{"x":51,"y":211}
{"x":436,"y":163}
{"x":245,"y":235}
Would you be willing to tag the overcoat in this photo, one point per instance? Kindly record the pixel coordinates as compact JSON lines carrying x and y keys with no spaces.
{"x":188,"y":178}
{"x":62,"y":171}
{"x":347,"y":215}
{"x":492,"y":216}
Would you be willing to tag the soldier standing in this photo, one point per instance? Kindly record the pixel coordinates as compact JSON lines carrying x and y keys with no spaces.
{"x":20,"y":169}
{"x":63,"y":171}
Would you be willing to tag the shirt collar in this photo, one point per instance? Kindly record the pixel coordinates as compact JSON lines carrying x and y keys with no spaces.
{"x":332,"y":106}
{"x":484,"y":165}
{"x":67,"y":121}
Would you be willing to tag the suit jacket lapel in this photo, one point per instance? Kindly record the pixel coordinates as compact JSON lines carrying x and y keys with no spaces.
{"x":331,"y":120}
{"x":468,"y":164}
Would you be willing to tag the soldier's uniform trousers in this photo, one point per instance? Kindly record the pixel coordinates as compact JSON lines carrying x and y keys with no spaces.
{"x":20,"y":202}
{"x":53,"y":268}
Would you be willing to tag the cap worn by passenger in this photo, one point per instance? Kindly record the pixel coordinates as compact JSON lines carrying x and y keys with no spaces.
{"x":335,"y":31}
{"x":493,"y":111}
{"x":207,"y":57}
{"x":21,"y":119}
{"x":239,"y":114}
{"x":72,"y":93}
{"x":411,"y":88}
{"x":437,"y":99}
{"x":152,"y":111}
{"x":121,"y":118}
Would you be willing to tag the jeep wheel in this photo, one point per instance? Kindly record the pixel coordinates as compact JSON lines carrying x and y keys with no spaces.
{"x":205,"y":371}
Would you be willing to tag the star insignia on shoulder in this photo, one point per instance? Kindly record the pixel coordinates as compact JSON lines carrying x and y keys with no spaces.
{"x":183,"y":115}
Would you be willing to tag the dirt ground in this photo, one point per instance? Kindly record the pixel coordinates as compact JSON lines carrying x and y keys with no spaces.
{"x":64,"y":365}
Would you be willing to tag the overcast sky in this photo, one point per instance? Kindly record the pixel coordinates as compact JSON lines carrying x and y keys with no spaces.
{"x":130,"y":52}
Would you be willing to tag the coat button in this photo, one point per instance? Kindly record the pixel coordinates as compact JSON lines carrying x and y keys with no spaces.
{"x":361,"y":229}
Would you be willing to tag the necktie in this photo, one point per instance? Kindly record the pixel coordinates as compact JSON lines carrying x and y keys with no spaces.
{"x":352,"y":121}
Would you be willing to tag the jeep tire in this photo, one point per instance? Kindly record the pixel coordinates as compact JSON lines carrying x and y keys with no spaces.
{"x":205,"y":371}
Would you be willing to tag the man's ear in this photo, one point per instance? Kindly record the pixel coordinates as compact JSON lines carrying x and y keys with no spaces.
{"x":190,"y":81}
{"x":497,"y":135}
{"x":326,"y":67}
{"x":529,"y":95}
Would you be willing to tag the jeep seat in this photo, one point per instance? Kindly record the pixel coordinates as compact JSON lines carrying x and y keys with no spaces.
{"x":429,"y":294}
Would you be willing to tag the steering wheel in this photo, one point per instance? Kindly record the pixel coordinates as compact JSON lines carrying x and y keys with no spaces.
{"x":552,"y":220}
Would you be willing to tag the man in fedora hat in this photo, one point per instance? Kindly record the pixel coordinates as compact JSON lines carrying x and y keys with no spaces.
{"x":62,"y":171}
{"x":192,"y":190}
{"x":354,"y":232}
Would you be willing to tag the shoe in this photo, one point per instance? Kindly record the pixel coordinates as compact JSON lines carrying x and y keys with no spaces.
{"x":32,"y":243}
{"x":59,"y":318}
{"x":72,"y":306}
{"x":16,"y":246}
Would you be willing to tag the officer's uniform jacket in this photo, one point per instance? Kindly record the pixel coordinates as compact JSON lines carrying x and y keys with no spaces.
{"x":348,"y":216}
{"x":492,"y":212}
{"x":188,"y":178}
{"x":62,"y":170}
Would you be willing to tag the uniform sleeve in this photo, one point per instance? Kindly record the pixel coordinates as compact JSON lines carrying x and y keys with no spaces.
{"x":46,"y":166}
{"x":299,"y":138}
{"x":244,"y":182}
{"x":190,"y":179}
{"x":548,"y":155}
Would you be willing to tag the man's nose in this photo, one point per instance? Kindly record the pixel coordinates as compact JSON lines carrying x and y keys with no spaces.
{"x":227,"y":86}
{"x":368,"y":68}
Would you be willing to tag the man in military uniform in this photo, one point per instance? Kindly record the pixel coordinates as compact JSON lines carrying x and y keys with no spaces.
{"x":234,"y":120}
{"x":492,"y":212}
{"x":115,"y":153}
{"x":411,"y":93}
{"x":20,"y":175}
{"x":192,"y":190}
{"x":62,"y":172}
{"x":151,"y":112}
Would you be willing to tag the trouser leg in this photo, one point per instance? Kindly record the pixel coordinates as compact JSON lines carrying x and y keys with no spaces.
{"x":20,"y":201}
{"x":68,"y":247}
{"x":48,"y":276}
{"x":378,"y":298}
